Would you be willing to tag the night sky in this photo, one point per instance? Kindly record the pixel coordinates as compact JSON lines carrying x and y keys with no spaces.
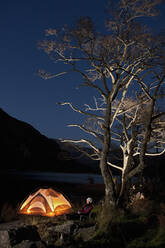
{"x":23,"y":94}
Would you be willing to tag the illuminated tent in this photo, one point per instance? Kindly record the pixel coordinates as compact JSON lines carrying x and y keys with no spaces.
{"x":46,"y":202}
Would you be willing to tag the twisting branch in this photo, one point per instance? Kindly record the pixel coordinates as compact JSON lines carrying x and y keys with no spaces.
{"x":115,"y":166}
{"x":122,"y":99}
{"x":97,"y":108}
{"x":95,"y":134}
{"x":151,"y":154}
{"x":88,"y":82}
{"x":46,"y":75}
{"x":80,"y":111}
{"x":93,"y":156}
{"x":85,"y":142}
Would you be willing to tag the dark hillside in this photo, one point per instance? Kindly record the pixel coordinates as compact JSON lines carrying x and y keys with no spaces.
{"x":23,"y":147}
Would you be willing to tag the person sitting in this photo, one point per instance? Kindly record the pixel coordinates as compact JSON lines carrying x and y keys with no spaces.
{"x":83,"y":212}
{"x":86,"y":209}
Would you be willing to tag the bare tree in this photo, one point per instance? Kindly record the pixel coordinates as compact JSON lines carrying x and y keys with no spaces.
{"x":112,"y":64}
{"x":139,"y":130}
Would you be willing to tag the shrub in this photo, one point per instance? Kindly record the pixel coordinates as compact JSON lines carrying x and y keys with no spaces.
{"x":143,"y":207}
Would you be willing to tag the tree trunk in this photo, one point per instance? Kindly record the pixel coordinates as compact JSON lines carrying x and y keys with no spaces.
{"x":110,"y":193}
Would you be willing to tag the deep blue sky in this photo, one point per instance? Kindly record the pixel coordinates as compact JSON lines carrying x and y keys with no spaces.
{"x":23,"y":94}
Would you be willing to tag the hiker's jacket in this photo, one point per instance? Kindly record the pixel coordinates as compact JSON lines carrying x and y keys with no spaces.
{"x":86,"y":209}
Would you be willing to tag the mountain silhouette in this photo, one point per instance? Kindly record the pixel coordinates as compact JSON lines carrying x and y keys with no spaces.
{"x":23,"y":147}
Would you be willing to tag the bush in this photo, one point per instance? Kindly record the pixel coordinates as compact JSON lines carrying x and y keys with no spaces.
{"x":143,"y":207}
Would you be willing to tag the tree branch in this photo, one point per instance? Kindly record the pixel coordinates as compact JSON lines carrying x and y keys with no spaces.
{"x":80,"y":111}
{"x":83,"y":141}
{"x":87,"y":131}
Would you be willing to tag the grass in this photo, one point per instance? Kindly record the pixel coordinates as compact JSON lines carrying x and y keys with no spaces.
{"x":128,"y":232}
{"x":151,"y":238}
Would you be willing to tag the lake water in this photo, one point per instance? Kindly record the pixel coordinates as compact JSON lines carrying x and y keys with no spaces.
{"x":16,"y":185}
{"x":77,"y":178}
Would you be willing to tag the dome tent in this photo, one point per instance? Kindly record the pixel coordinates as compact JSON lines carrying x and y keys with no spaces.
{"x":45,"y":202}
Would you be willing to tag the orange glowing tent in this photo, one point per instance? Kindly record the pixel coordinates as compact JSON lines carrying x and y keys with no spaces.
{"x":46,"y":202}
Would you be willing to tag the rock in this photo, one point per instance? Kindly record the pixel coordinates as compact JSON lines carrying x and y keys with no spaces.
{"x":68,"y":228}
{"x":31,"y":244}
{"x":86,"y":233}
{"x":63,"y":233}
{"x":14,"y":233}
{"x":47,"y":233}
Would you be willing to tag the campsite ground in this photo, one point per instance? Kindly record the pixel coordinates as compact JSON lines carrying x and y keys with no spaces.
{"x":143,"y":227}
